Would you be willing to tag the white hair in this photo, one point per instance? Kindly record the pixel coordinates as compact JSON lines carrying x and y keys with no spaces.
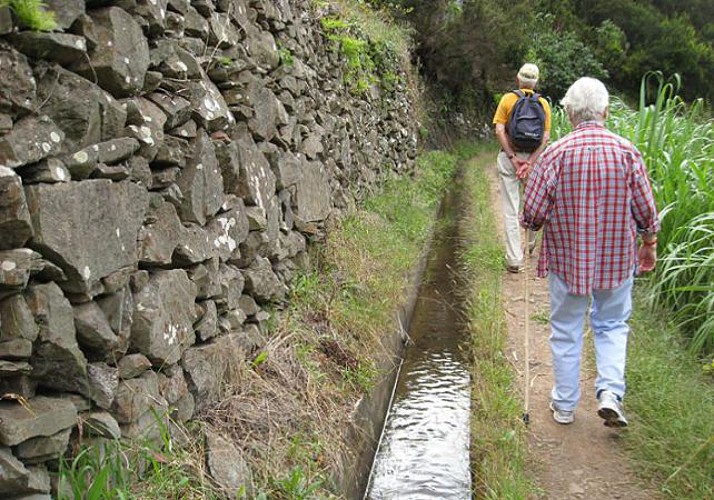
{"x":528,"y":76}
{"x":586,"y":99}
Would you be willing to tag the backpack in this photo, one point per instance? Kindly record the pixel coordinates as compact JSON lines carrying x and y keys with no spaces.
{"x":526,"y":124}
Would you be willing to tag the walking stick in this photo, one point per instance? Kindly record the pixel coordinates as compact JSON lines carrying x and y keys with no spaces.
{"x":526,"y":341}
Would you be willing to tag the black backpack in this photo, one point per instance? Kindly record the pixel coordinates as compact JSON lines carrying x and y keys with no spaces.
{"x":526,"y":124}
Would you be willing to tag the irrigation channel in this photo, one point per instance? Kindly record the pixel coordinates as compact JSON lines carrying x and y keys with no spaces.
{"x":424,"y":448}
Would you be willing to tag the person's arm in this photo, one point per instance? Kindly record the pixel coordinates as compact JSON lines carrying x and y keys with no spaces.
{"x":644,"y":212}
{"x":502,"y":137}
{"x":537,"y":197}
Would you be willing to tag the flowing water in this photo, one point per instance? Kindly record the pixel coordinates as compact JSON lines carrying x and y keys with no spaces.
{"x":424,"y":449}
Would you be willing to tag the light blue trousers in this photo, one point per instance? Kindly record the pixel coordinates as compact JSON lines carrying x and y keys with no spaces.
{"x":609,"y":312}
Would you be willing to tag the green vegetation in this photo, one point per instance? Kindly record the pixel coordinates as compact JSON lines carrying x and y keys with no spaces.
{"x":371,"y":44}
{"x":122,"y":470}
{"x":32,"y":13}
{"x":671,"y":440}
{"x":497,"y":431}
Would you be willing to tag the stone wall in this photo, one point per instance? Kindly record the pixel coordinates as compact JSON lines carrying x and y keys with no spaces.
{"x":163,"y":167}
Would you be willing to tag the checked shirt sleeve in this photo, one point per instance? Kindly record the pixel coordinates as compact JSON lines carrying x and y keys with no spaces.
{"x":538,"y":196}
{"x":644,"y":209}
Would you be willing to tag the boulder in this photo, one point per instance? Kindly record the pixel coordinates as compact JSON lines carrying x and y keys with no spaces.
{"x":57,"y":362}
{"x":30,"y":140}
{"x":201,"y":183}
{"x":120,"y":58}
{"x":164,"y":316}
{"x":89,"y":228}
{"x":15,"y":225}
{"x":228,"y":466}
{"x":85,"y":113}
{"x":43,"y":416}
{"x":18,"y":89}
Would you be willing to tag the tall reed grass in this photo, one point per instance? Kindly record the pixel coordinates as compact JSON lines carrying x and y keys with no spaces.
{"x":676,"y":140}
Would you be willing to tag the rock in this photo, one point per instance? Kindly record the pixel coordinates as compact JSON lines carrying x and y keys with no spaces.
{"x":209,"y":108}
{"x":30,"y":140}
{"x":15,"y":225}
{"x":23,"y":385}
{"x":14,"y":477}
{"x":173,"y":385}
{"x":94,"y":118}
{"x":227,"y":466}
{"x":66,"y":11}
{"x":18,"y":89}
{"x":229,"y":229}
{"x":206,"y":367}
{"x":15,"y":349}
{"x":146,"y":124}
{"x":119,"y":310}
{"x":257,"y":181}
{"x":135,"y":397}
{"x":101,"y":424}
{"x":262,"y":283}
{"x":90,"y":228}
{"x":150,"y":425}
{"x":312,"y":194}
{"x":163,"y":320}
{"x":120,"y":58}
{"x":16,"y":266}
{"x":160,"y":235}
{"x":43,"y":448}
{"x":207,"y":327}
{"x":176,"y":108}
{"x":263,"y":50}
{"x":103,"y":382}
{"x":133,"y":365}
{"x":269,"y":113}
{"x":232,"y":284}
{"x":94,"y":333}
{"x":12,"y":369}
{"x":207,"y":279}
{"x":57,"y":361}
{"x":201,"y":183}
{"x":44,"y":417}
{"x":49,"y":170}
{"x":62,"y":48}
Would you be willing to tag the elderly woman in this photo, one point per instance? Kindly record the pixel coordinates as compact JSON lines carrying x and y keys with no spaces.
{"x":590,"y":192}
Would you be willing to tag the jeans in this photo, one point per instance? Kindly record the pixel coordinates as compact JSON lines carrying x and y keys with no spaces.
{"x":511,"y":200}
{"x":609,"y":313}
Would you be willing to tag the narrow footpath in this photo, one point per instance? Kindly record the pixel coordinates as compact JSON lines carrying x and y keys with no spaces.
{"x":581,"y":460}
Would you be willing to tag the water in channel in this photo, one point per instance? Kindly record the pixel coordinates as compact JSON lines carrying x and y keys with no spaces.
{"x":424,"y":449}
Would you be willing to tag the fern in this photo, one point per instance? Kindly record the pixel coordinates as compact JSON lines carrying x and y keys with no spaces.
{"x":32,"y":14}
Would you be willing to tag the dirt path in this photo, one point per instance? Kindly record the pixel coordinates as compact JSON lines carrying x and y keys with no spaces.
{"x":580,"y":460}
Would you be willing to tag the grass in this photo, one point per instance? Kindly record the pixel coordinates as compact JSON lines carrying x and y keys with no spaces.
{"x":289,"y":410}
{"x":32,"y":14}
{"x":672,"y":402}
{"x":498,"y":436}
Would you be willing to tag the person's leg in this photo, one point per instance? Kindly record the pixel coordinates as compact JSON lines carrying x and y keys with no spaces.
{"x":510,"y":196}
{"x":610,"y":312}
{"x":567,"y":320}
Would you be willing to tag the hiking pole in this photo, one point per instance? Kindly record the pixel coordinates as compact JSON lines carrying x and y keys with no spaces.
{"x":526,"y":342}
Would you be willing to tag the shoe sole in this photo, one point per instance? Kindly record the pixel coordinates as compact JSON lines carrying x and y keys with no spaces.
{"x":612,"y":418}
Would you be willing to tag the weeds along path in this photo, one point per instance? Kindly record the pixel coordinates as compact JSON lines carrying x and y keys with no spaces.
{"x":580,"y":460}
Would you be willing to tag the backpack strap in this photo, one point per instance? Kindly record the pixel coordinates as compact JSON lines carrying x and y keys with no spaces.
{"x":518,"y":92}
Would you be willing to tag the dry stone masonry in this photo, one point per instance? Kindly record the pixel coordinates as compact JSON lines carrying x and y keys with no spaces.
{"x":163,"y":167}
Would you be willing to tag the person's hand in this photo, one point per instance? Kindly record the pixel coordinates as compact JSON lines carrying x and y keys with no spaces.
{"x":647,"y":256}
{"x":523,"y":168}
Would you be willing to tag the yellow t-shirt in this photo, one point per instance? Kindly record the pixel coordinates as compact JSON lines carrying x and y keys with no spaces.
{"x":506,"y":106}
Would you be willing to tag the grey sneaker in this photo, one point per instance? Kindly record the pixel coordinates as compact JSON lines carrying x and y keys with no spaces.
{"x":610,"y":410}
{"x":562,"y":416}
{"x":515,"y":269}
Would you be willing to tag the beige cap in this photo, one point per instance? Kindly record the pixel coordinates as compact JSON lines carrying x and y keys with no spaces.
{"x":528,"y":72}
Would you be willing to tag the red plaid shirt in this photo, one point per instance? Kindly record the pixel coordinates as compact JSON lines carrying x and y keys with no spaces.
{"x":590,"y":190}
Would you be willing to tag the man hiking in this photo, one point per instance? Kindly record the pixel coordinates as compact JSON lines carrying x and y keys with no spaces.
{"x":517,"y":156}
{"x":591,"y":193}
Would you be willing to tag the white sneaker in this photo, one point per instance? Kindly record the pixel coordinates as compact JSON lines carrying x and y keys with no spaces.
{"x":610,"y":410}
{"x":564,"y":417}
